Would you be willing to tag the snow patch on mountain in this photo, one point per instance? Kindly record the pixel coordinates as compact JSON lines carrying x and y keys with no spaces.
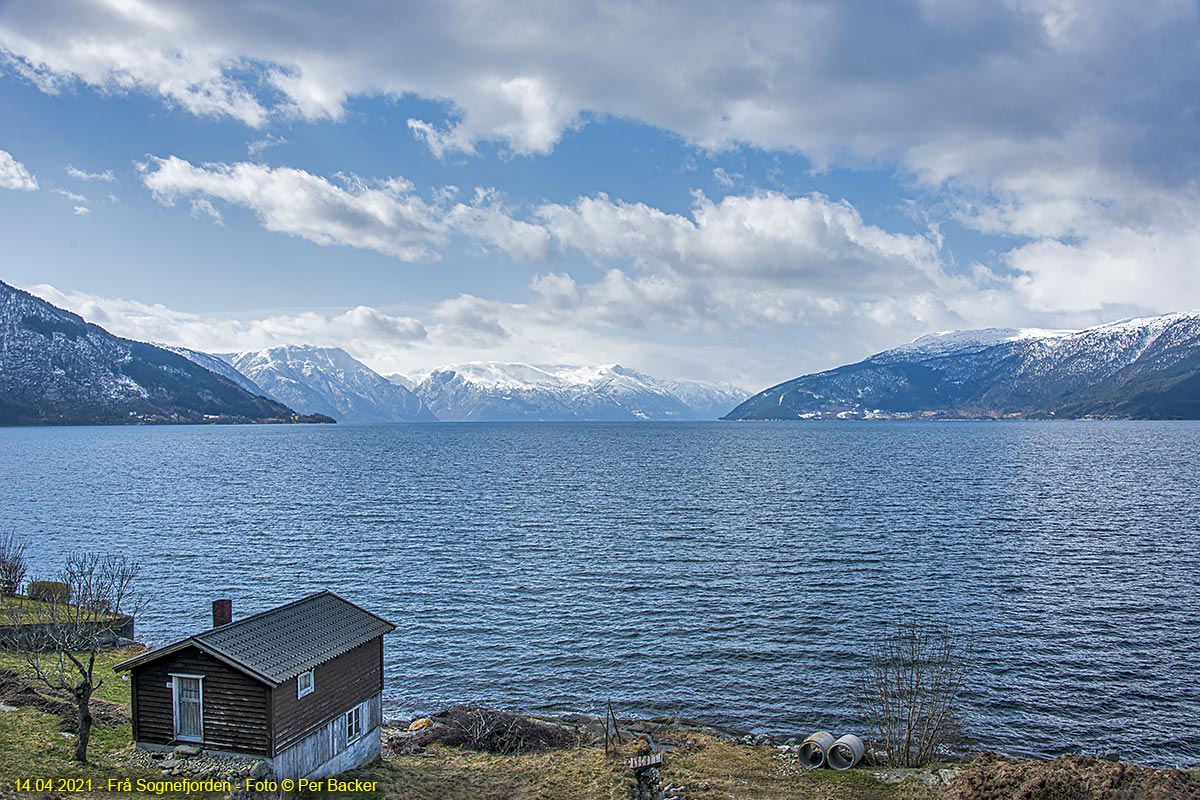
{"x":491,"y":390}
{"x":328,"y":380}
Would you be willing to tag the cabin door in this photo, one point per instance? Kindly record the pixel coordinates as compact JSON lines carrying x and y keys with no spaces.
{"x":189,"y":708}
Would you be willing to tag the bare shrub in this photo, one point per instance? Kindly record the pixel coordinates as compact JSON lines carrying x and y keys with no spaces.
{"x":494,"y":731}
{"x":13,"y":564}
{"x":89,"y":607}
{"x":911,"y":689}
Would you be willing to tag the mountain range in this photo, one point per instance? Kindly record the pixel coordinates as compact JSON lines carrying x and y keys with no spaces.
{"x":57,"y":369}
{"x":495,"y":391}
{"x":1146,"y":368}
{"x":327,"y":380}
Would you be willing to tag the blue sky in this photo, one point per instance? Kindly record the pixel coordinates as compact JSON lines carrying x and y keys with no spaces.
{"x":691,"y":191}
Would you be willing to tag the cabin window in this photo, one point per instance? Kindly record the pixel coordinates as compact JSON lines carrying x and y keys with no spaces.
{"x":305,"y":683}
{"x":354,"y":723}
{"x":188,"y":691}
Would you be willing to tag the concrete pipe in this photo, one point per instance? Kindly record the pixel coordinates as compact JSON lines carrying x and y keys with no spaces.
{"x":845,"y":752}
{"x":813,"y":749}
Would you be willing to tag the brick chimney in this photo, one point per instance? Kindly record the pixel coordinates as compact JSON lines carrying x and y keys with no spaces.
{"x":222,"y":612}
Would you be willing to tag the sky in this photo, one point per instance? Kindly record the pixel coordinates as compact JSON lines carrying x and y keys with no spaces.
{"x":739,"y":192}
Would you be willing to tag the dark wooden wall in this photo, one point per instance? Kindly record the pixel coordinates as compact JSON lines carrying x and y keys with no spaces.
{"x":341,"y":683}
{"x":235,"y":705}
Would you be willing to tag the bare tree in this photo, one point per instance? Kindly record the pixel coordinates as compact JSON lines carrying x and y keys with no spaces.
{"x":13,"y":564}
{"x":66,"y":632}
{"x":912,"y":685}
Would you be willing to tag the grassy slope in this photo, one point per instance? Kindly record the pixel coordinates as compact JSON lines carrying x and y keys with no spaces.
{"x":34,"y":747}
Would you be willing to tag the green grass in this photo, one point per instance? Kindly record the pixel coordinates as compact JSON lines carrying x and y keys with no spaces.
{"x":34,"y":747}
{"x":18,"y":610}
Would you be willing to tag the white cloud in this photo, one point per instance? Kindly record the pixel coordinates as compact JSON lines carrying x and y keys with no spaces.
{"x":1044,"y":120}
{"x":363,"y":331}
{"x":203,"y":207}
{"x":14,"y":175}
{"x":74,"y":197}
{"x":255,"y":148}
{"x":948,"y":90}
{"x":106,"y":176}
{"x":384,"y":215}
{"x":81,"y":211}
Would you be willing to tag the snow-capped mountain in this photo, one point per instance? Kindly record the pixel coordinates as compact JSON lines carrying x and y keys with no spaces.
{"x":327,"y":380}
{"x":1137,"y":368}
{"x":57,"y":369}
{"x":494,"y":391}
{"x":218,"y":365}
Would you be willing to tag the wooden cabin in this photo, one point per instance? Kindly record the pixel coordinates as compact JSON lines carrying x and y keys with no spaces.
{"x":299,"y":686}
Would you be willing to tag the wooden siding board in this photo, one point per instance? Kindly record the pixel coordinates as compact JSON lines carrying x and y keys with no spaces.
{"x":236,"y":706}
{"x":341,"y":683}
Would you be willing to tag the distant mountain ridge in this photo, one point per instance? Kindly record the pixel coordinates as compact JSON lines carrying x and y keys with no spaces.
{"x":57,"y":369}
{"x":1144,"y":368}
{"x":499,"y":391}
{"x":327,"y":380}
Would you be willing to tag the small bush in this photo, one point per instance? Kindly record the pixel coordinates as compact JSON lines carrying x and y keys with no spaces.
{"x":13,"y":564}
{"x":912,"y":688}
{"x":49,"y":591}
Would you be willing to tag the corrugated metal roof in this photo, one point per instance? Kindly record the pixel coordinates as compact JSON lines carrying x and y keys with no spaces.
{"x":281,"y":643}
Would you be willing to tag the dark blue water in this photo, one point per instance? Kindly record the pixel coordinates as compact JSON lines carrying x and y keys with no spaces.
{"x":730,"y":572}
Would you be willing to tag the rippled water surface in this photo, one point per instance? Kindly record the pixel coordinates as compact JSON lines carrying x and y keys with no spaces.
{"x":732,"y":572}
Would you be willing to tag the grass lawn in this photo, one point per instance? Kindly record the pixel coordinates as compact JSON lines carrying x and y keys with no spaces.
{"x":18,"y":610}
{"x":33,"y":745}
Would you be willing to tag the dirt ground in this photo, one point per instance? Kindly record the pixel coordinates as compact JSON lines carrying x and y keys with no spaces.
{"x":994,"y":777}
{"x":19,"y":690}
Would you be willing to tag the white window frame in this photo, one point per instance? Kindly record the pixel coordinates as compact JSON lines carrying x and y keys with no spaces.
{"x":361,"y":711}
{"x":175,"y":677}
{"x":312,"y":684}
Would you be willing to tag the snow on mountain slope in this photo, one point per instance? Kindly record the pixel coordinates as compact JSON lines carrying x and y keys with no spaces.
{"x":950,"y":342}
{"x":1146,"y":367}
{"x":328,"y":380}
{"x":489,"y":390}
{"x":55,"y":368}
{"x":218,"y":365}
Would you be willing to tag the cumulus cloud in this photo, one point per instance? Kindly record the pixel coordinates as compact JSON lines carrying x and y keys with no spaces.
{"x":81,"y":211}
{"x":947,"y":89}
{"x":1044,"y":120}
{"x":383,"y":215}
{"x":14,"y":175}
{"x":768,"y":239}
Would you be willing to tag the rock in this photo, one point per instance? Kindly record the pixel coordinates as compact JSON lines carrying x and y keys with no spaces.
{"x":171,"y":763}
{"x":260,"y":770}
{"x":1112,"y":755}
{"x":187,"y":750}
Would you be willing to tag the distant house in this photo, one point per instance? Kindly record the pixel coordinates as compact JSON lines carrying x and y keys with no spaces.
{"x":298,"y":686}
